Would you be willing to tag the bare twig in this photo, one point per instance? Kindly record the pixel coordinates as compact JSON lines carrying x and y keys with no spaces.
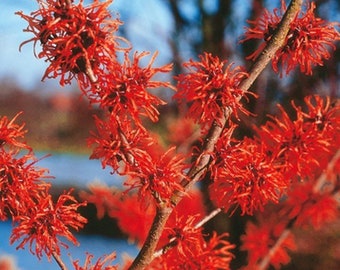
{"x":145,"y":256}
{"x":59,"y":261}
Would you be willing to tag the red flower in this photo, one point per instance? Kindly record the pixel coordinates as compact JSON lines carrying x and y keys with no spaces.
{"x":43,"y":224}
{"x":300,"y":145}
{"x":99,"y":265}
{"x":21,"y":184}
{"x":311,"y":208}
{"x":261,"y":238}
{"x":75,"y":39}
{"x":159,"y":176}
{"x":120,"y":144}
{"x":245,"y":176}
{"x":123,"y":88}
{"x":306,"y":44}
{"x":11,"y":132}
{"x":210,"y":254}
{"x":209,"y":87}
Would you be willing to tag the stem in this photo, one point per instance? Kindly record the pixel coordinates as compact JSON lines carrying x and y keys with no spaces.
{"x":152,"y":240}
{"x":59,"y":261}
{"x":198,"y":169}
{"x":266,"y":260}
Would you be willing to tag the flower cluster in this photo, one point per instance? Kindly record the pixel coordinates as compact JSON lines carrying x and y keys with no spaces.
{"x":75,"y":39}
{"x":25,"y":197}
{"x":123,"y":88}
{"x":209,"y":88}
{"x":307,"y":43}
{"x":260,"y":240}
{"x":246,"y":177}
{"x":253,"y":172}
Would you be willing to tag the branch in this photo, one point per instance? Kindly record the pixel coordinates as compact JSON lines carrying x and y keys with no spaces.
{"x":198,"y":169}
{"x":59,"y":261}
{"x":266,"y":260}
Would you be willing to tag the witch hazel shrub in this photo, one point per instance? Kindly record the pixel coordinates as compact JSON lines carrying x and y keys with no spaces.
{"x":285,"y":176}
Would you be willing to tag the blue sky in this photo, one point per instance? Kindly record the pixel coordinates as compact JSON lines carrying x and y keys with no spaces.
{"x":146,"y":32}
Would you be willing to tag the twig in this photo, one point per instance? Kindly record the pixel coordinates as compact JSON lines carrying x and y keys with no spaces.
{"x":199,"y":168}
{"x":266,"y":260}
{"x":59,"y":261}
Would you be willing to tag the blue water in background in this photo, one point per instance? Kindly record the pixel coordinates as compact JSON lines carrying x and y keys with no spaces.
{"x":79,"y":171}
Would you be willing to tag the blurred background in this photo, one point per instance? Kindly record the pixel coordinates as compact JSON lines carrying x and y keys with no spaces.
{"x":59,"y":119}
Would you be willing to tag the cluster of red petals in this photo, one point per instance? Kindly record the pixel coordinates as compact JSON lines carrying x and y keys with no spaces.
{"x":260,"y":240}
{"x":192,"y":251}
{"x":21,"y":184}
{"x":311,"y":208}
{"x":103,"y":263}
{"x":209,"y":87}
{"x":124,"y":88}
{"x":119,"y":143}
{"x":46,"y":222}
{"x":79,"y":42}
{"x":245,"y":176}
{"x":11,"y":133}
{"x":159,"y":176}
{"x":24,"y":195}
{"x":251,"y":173}
{"x":129,"y":150}
{"x":75,"y":39}
{"x":307,"y":43}
{"x":303,"y":144}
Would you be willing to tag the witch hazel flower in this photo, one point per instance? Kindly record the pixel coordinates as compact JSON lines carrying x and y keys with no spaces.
{"x":307,"y":44}
{"x":75,"y":39}
{"x":124,"y":88}
{"x":44,"y":224}
{"x":209,"y":87}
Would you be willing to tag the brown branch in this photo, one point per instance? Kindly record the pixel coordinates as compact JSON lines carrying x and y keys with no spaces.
{"x":145,"y":256}
{"x":59,"y":261}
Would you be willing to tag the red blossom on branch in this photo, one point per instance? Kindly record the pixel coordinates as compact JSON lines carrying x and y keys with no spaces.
{"x":21,"y":185}
{"x":44,"y":223}
{"x":260,"y":239}
{"x":214,"y":253}
{"x":310,"y":208}
{"x":75,"y":39}
{"x":209,"y":87}
{"x":119,"y":143}
{"x":300,"y":145}
{"x":11,"y":133}
{"x":124,"y":88}
{"x":307,"y":43}
{"x":159,"y":176}
{"x":245,"y":176}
